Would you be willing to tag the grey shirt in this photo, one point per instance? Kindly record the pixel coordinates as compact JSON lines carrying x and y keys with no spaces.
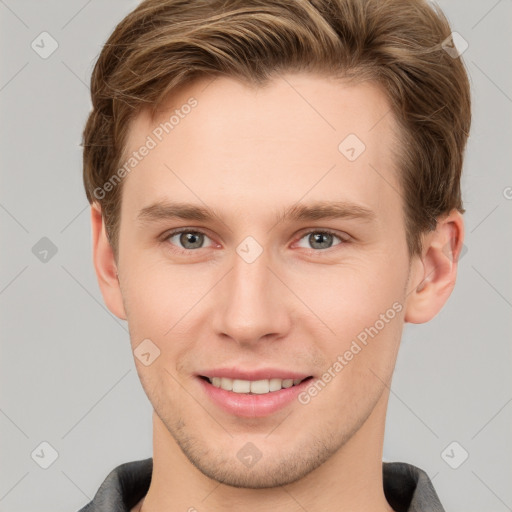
{"x":406,"y":487}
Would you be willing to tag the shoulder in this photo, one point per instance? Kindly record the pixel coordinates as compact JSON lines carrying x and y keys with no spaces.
{"x":123,"y":487}
{"x":409,"y":489}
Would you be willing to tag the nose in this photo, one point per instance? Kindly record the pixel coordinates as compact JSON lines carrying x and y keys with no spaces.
{"x":252,"y":303}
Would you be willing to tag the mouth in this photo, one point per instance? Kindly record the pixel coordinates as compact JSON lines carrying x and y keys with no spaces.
{"x":253,"y":387}
{"x":255,"y":398}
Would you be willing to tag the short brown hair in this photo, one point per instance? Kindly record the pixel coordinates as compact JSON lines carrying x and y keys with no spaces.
{"x":397,"y":44}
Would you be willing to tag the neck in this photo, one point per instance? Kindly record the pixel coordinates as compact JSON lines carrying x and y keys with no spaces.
{"x":351,"y":479}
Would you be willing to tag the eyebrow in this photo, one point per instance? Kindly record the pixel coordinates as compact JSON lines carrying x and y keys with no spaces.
{"x":319,"y":210}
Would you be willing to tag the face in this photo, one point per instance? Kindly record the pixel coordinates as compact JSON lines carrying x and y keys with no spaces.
{"x":253,"y":246}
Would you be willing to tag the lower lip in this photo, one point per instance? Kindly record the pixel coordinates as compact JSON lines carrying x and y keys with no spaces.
{"x":252,"y":406}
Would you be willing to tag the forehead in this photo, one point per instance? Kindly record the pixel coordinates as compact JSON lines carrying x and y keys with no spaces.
{"x":300,"y":134}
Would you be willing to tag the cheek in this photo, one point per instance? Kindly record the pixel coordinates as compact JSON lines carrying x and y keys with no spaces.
{"x":156,"y":295}
{"x":351,"y":295}
{"x":161,"y":303}
{"x":362,"y":305}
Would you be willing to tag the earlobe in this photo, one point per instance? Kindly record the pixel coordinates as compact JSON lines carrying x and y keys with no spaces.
{"x":105,"y":265}
{"x":433,"y":275}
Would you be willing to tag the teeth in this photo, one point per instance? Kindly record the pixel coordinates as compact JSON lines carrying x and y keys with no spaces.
{"x":257,"y":387}
{"x":241,"y":386}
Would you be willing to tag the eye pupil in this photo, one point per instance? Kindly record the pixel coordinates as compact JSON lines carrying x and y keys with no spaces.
{"x":320,"y":239}
{"x":194,"y":239}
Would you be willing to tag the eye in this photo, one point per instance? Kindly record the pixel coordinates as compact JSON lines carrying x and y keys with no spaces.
{"x":187,"y":239}
{"x":321,"y":240}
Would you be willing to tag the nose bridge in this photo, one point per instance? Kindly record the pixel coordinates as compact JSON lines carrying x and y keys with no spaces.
{"x":252,"y":306}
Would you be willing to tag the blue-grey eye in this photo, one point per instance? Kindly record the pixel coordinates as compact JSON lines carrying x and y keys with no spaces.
{"x":187,"y":239}
{"x":320,"y":239}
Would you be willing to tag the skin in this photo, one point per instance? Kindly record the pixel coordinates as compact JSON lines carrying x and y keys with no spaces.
{"x":249,"y":153}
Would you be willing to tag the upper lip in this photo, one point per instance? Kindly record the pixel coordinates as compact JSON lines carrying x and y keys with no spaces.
{"x":261,"y":374}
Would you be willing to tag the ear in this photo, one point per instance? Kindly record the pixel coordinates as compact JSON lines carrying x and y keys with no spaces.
{"x":433,"y":275}
{"x":105,"y":265}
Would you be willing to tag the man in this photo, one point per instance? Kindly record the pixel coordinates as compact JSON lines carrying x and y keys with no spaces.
{"x":275,"y":191}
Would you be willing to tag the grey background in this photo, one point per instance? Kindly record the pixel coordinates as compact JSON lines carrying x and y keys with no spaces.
{"x":67,"y":374}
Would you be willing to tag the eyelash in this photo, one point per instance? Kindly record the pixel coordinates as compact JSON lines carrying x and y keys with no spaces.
{"x":167,"y":236}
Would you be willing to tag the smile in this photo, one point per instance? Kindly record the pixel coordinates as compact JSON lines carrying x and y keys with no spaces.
{"x":254,"y":387}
